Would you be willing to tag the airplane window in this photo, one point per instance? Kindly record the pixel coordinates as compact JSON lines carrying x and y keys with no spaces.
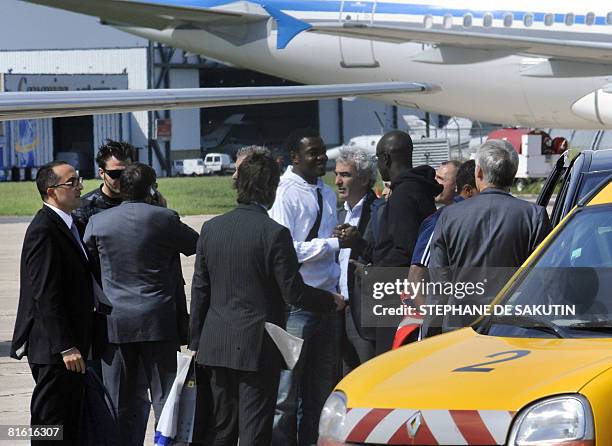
{"x":549,"y":19}
{"x":569,"y":19}
{"x":487,"y":20}
{"x":428,"y":21}
{"x":448,"y":21}
{"x":528,"y":19}
{"x":609,"y":18}
{"x":590,"y":18}
{"x":467,"y":20}
{"x":508,"y":19}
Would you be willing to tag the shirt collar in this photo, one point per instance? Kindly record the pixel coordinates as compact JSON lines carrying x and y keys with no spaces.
{"x":494,"y":190}
{"x":357,"y":207}
{"x":67,"y":218}
{"x":295,"y":177}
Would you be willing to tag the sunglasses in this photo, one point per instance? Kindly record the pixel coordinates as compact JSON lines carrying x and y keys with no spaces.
{"x":114,"y":174}
{"x":72,"y":182}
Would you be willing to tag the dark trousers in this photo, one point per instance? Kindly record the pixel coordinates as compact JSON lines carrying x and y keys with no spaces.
{"x":242,"y":404}
{"x":355,"y":349}
{"x":302,"y":391}
{"x":122,"y":368}
{"x":57,"y":400}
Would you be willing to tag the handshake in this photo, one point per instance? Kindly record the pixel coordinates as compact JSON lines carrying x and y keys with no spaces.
{"x":348,"y":236}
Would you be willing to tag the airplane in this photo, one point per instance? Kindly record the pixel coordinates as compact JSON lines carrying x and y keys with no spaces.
{"x":218,"y":135}
{"x":456,"y":131}
{"x":55,"y":104}
{"x":516,"y":62}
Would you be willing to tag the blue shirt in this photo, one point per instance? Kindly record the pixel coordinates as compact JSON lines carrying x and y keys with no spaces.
{"x":422,"y":247}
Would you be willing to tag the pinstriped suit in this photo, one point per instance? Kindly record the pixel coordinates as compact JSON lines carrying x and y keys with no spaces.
{"x":246,"y":271}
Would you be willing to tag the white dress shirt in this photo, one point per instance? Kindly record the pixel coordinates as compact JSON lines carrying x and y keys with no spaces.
{"x":64,"y":216}
{"x":67,"y":218}
{"x":352,"y":218}
{"x":296,"y":208}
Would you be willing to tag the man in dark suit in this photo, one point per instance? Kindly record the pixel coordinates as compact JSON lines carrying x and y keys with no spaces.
{"x":474,"y":239}
{"x":55,"y":318}
{"x":355,"y":177}
{"x":246,"y":272}
{"x":137,"y":244}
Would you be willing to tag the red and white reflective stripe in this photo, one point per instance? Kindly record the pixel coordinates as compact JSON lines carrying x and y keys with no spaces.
{"x":437,"y":427}
{"x":497,"y":422}
{"x":443,"y":427}
{"x":383,"y":432}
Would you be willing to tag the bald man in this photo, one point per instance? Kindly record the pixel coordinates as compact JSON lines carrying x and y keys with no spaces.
{"x":411,"y":201}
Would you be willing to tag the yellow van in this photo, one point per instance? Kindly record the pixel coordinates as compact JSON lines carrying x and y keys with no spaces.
{"x":533,"y":380}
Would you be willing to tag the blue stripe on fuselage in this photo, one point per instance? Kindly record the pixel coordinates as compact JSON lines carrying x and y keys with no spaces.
{"x":381,"y":7}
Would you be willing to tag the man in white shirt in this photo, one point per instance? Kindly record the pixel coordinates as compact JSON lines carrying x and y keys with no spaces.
{"x":355,"y":177}
{"x":307,"y":207}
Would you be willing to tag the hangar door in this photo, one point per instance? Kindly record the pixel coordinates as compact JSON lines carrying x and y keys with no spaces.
{"x":357,"y":53}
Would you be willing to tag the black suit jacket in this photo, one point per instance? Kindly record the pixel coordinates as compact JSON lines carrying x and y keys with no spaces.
{"x":56,"y":300}
{"x":355,"y":289}
{"x":246,"y":272}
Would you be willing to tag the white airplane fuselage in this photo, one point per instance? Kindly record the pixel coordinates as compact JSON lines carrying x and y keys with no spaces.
{"x":486,"y":84}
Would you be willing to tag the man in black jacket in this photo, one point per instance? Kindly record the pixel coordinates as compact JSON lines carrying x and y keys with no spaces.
{"x":55,"y":318}
{"x":411,"y":201}
{"x":112,"y":158}
{"x":413,"y":191}
{"x":246,"y":272}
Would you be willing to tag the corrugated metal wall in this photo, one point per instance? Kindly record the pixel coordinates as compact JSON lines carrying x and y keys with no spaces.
{"x":131,"y":127}
{"x":430,"y":151}
{"x":107,"y":127}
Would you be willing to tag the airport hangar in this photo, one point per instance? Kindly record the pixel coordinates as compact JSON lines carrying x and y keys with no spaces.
{"x":45,"y":49}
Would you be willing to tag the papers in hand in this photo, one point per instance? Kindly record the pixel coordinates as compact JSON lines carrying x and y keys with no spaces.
{"x":290,"y":346}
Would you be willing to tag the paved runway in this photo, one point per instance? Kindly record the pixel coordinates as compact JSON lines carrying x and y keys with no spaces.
{"x":16,"y":382}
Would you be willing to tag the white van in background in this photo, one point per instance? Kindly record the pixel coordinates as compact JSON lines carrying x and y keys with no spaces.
{"x":190,"y":167}
{"x":219,"y":163}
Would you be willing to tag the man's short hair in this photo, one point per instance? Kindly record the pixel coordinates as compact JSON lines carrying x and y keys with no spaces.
{"x":365,"y":164}
{"x":247,"y":150}
{"x":121,"y":150}
{"x":466,"y":175}
{"x":258,"y":178}
{"x":455,"y":163}
{"x":136,"y":181}
{"x":499,"y":162}
{"x":46,"y":177}
{"x":296,"y":137}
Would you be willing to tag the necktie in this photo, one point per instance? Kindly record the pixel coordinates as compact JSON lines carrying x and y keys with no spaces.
{"x":77,"y":237}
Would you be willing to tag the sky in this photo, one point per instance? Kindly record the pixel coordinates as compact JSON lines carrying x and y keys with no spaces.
{"x":25,"y":26}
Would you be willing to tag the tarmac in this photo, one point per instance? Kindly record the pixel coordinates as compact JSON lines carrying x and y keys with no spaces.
{"x":16,"y":383}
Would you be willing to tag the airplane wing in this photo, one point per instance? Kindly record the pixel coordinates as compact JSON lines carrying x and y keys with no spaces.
{"x":161,"y":14}
{"x":579,"y":50}
{"x":26,"y":105}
